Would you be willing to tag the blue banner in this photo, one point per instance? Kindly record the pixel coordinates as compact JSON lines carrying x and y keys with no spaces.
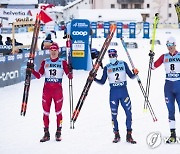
{"x":132,"y":30}
{"x":106,"y":29}
{"x":13,"y":67}
{"x":94,"y":29}
{"x":146,"y":30}
{"x":119,"y":30}
{"x":81,"y":57}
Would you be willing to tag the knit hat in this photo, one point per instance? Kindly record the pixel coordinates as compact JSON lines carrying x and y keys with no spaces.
{"x":112,"y":52}
{"x":171,"y":40}
{"x":54,"y":46}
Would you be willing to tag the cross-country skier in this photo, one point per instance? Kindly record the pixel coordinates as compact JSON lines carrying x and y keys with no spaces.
{"x":116,"y":72}
{"x":53,"y":69}
{"x":171,"y":61}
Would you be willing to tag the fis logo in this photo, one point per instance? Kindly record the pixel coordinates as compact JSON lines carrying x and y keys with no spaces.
{"x":75,"y":24}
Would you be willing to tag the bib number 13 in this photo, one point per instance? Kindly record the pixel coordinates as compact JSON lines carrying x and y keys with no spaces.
{"x":52,"y":72}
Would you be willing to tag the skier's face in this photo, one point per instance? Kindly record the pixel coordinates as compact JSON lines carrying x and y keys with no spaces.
{"x":53,"y":53}
{"x":171,"y":47}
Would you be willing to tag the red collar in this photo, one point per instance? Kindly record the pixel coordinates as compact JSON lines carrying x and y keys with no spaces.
{"x":174,"y":53}
{"x":54,"y":60}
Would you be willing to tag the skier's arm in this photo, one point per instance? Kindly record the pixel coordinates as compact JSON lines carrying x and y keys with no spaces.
{"x":40,"y":72}
{"x":158,"y":62}
{"x":67,"y":70}
{"x":129,"y":73}
{"x":103,"y":78}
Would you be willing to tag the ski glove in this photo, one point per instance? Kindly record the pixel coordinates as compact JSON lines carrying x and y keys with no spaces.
{"x":30,"y":65}
{"x":151,"y":53}
{"x":70,"y":75}
{"x":135,"y":71}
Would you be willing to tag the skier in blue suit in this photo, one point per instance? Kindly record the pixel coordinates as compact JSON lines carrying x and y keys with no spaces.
{"x":116,"y":72}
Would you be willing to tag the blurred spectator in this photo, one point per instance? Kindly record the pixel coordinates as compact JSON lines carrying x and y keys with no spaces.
{"x":47,"y":42}
{"x":17,"y":43}
{"x":56,"y":28}
{"x":8,"y":41}
{"x":0,"y":27}
{"x":1,"y":42}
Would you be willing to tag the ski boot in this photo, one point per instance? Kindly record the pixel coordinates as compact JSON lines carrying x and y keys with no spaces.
{"x":172,"y":138}
{"x":46,"y":136}
{"x":58,"y":134}
{"x":129,"y":138}
{"x":117,"y":137}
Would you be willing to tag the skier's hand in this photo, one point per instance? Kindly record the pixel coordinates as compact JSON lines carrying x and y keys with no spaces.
{"x":70,"y":75}
{"x":151,"y":53}
{"x":92,"y":75}
{"x":70,"y":67}
{"x":29,"y":70}
{"x":30,"y":65}
{"x":135,"y":71}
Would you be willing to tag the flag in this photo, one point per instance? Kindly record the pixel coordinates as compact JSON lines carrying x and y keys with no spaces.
{"x":44,"y":17}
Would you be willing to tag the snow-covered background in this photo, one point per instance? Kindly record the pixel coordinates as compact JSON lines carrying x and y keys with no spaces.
{"x":93,"y":132}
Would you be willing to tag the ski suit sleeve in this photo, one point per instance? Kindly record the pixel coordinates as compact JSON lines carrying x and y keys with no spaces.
{"x":158,"y":62}
{"x":128,"y":72}
{"x":40,"y":72}
{"x":66,"y":69}
{"x":103,"y":78}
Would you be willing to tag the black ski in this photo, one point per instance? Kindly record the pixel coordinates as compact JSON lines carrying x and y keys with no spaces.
{"x":93,"y":73}
{"x":30,"y":62}
{"x":177,"y":7}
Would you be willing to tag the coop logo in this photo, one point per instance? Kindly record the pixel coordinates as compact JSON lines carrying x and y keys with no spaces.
{"x":81,"y":33}
{"x":9,"y":75}
{"x":29,"y":13}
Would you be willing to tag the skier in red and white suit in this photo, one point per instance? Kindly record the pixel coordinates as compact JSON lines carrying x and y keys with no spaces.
{"x":53,"y":68}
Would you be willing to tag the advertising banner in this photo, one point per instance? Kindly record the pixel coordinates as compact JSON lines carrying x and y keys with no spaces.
{"x":119,"y":30}
{"x":146,"y":27}
{"x":94,"y":29}
{"x":106,"y":29}
{"x":132,"y":30}
{"x":13,"y":67}
{"x":81,"y":57}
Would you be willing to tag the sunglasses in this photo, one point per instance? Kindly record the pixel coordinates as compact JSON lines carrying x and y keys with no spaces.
{"x":112,"y":55}
{"x":170,"y":44}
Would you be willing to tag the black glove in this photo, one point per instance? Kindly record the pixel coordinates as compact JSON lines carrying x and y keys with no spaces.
{"x":70,"y":67}
{"x":151,"y":53}
{"x":30,"y":65}
{"x":92,"y":75}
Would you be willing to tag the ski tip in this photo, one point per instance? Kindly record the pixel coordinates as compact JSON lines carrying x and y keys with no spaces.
{"x":113,"y":27}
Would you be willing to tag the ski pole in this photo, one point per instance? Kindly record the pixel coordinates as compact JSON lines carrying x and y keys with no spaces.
{"x":139,"y":82}
{"x":151,"y":54}
{"x":68,"y":47}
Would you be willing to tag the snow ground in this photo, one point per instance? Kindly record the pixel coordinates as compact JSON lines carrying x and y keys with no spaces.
{"x":93,"y":130}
